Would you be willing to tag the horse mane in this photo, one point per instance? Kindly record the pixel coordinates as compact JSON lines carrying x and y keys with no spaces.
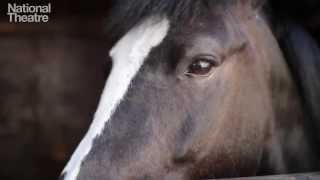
{"x":303,"y":57}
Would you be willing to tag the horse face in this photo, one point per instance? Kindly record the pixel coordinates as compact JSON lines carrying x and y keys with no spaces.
{"x":180,"y":103}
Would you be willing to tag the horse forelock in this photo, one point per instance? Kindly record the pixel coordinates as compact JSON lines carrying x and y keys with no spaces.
{"x":128,"y":55}
{"x":127,"y":13}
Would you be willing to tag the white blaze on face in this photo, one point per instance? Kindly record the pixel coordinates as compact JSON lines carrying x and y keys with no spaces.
{"x":128,"y":56}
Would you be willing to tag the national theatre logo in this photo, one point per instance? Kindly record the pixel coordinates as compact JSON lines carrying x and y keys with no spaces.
{"x":25,"y":13}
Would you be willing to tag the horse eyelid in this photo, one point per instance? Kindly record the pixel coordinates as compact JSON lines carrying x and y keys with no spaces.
{"x":212,"y":58}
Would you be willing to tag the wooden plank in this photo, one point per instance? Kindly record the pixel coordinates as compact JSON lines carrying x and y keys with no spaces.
{"x":306,"y":176}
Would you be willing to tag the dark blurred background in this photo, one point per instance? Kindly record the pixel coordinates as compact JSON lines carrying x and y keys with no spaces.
{"x":51,"y":76}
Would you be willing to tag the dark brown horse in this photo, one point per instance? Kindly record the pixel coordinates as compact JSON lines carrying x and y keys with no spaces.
{"x":201,"y":89}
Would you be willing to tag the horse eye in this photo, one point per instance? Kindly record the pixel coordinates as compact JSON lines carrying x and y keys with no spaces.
{"x":201,"y":66}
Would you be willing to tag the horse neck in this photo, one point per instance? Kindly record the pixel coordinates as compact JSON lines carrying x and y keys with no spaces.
{"x":289,"y":147}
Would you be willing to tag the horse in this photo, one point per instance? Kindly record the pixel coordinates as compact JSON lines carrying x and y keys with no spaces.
{"x":203,"y":89}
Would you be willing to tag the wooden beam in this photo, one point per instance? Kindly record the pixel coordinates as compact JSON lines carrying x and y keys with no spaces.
{"x":306,"y":176}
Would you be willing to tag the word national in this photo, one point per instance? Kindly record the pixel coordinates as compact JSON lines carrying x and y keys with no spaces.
{"x":26,"y":13}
